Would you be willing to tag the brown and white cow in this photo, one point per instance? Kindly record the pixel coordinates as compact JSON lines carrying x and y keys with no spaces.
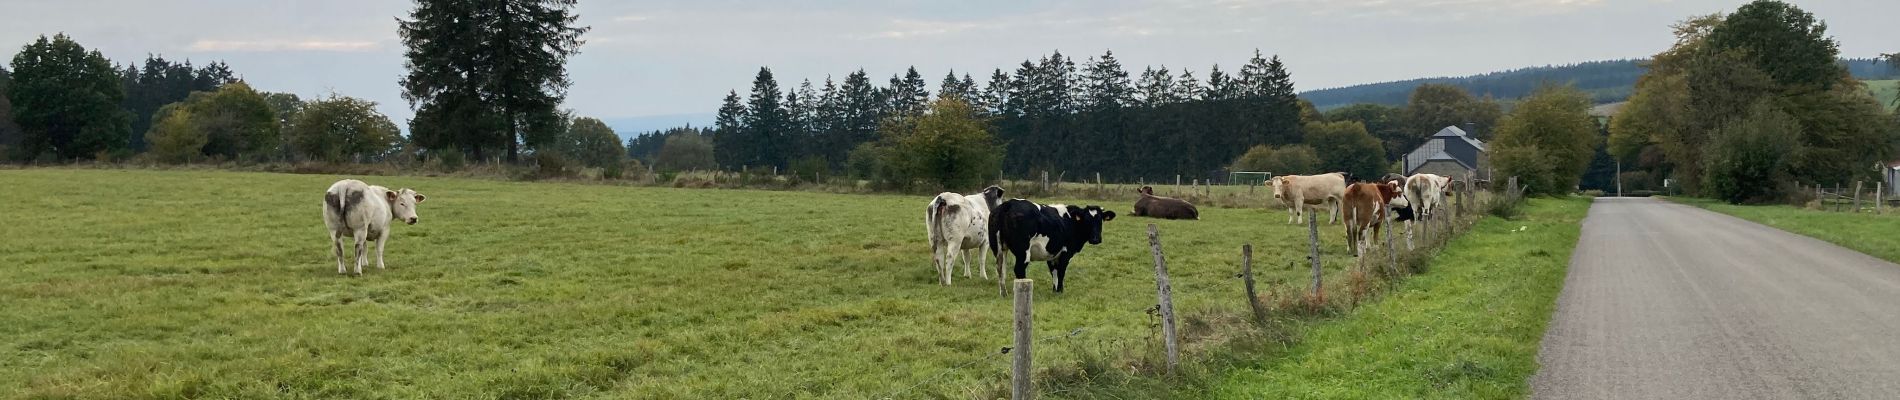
{"x":1365,"y":208}
{"x":1298,"y":192}
{"x":1150,"y":205}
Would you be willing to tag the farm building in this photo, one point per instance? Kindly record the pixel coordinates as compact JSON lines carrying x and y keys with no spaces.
{"x":1890,"y":173}
{"x":1450,"y":152}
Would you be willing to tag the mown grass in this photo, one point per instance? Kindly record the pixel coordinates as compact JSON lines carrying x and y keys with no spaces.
{"x":1468,"y":329}
{"x":1864,"y":232}
{"x":197,"y":284}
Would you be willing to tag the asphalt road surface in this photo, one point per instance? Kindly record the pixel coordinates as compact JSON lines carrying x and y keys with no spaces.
{"x":1666,"y":301}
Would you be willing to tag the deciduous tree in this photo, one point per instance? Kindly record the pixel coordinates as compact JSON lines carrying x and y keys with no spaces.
{"x":66,"y":100}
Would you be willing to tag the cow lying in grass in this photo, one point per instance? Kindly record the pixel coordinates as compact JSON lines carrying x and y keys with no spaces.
{"x":957,"y":224}
{"x":361,"y":211}
{"x":1150,"y":205}
{"x":1052,"y":233}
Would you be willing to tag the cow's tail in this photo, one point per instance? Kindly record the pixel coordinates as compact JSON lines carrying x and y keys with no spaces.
{"x":339,"y":205}
{"x":931,"y":215}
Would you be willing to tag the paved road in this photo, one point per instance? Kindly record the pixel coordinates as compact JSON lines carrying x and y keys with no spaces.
{"x":1665,"y":301}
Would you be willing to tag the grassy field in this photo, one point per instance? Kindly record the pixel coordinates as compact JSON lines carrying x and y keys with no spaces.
{"x":1863,"y":232}
{"x":1468,"y":329}
{"x":1886,"y":91}
{"x":155,"y":284}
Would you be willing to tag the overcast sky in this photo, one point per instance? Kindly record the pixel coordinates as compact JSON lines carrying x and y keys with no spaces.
{"x":661,"y":57}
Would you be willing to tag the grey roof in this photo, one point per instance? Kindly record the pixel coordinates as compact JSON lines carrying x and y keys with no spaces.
{"x":1434,"y":149}
{"x":1453,"y":131}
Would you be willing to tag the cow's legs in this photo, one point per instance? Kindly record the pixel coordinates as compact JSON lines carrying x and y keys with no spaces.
{"x":336,"y":242}
{"x":1334,"y":212}
{"x":380,"y":240}
{"x":950,"y":252}
{"x":362,"y":256}
{"x":982,"y":263}
{"x":1060,"y":268}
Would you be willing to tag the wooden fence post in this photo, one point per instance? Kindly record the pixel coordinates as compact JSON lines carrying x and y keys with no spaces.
{"x":1837,"y":192}
{"x":1164,"y":292}
{"x":1099,"y":190}
{"x":1391,"y":253}
{"x":1312,"y":238}
{"x":1246,"y":275}
{"x":1020,"y":386}
{"x":1879,"y":201}
{"x":1177,"y":183}
{"x":1857,"y":196}
{"x":1002,"y":283}
{"x":1045,"y":182}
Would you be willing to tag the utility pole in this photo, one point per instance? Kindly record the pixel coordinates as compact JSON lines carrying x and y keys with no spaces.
{"x":1619,"y":177}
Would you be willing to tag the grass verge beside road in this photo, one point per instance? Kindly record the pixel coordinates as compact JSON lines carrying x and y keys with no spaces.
{"x":1867,"y":233}
{"x":1467,"y":329}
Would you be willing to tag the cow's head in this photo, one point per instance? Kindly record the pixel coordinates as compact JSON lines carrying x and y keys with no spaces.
{"x":1147,"y":190}
{"x":1389,"y":190}
{"x":402,"y":204}
{"x":993,"y":196}
{"x":1090,"y":219}
{"x":1279,"y":185}
{"x":1444,"y":183}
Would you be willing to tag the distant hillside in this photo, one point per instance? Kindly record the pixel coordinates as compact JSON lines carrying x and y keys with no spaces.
{"x":629,"y":127}
{"x":1886,"y":91}
{"x":1607,"y":81}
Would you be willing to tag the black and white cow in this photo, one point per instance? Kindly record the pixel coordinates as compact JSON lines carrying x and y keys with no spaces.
{"x":1052,"y":233}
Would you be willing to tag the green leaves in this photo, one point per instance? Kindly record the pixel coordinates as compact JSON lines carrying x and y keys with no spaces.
{"x":949,"y":147}
{"x":1748,"y":157}
{"x":66,"y":101}
{"x":343,"y":129}
{"x":1345,"y":146}
{"x":487,"y":75}
{"x":1547,"y":140}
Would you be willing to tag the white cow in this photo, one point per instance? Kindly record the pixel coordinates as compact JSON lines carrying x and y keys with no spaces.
{"x":361,"y":211}
{"x":1425,"y":193}
{"x":959,"y":223}
{"x":1299,"y":191}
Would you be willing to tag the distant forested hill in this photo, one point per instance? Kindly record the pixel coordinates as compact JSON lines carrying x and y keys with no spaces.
{"x":1607,"y":81}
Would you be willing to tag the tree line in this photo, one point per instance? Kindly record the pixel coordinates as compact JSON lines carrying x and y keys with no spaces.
{"x":1049,"y":114}
{"x":1746,"y":105}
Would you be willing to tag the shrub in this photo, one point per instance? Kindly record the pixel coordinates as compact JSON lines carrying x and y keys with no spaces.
{"x":1289,"y":160}
{"x":947,"y":147}
{"x":810,"y":168}
{"x":1749,"y":155}
{"x":174,"y":138}
{"x":685,"y":151}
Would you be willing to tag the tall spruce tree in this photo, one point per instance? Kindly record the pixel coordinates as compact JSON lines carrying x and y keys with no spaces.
{"x":767,"y":124}
{"x":488,"y":73}
{"x":729,"y":130}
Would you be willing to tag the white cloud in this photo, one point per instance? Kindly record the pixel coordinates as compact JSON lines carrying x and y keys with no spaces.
{"x":633,"y":18}
{"x":284,"y":45}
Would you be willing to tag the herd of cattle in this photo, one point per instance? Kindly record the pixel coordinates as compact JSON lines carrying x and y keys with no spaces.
{"x":988,"y":224}
{"x":985,"y":223}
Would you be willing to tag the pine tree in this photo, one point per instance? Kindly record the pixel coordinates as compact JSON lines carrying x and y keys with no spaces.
{"x":996,"y":93}
{"x":488,"y":74}
{"x":767,"y":123}
{"x":729,"y":130}
{"x":907,"y":95}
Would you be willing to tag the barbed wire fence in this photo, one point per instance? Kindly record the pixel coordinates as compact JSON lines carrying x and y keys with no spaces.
{"x":1471,"y":204}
